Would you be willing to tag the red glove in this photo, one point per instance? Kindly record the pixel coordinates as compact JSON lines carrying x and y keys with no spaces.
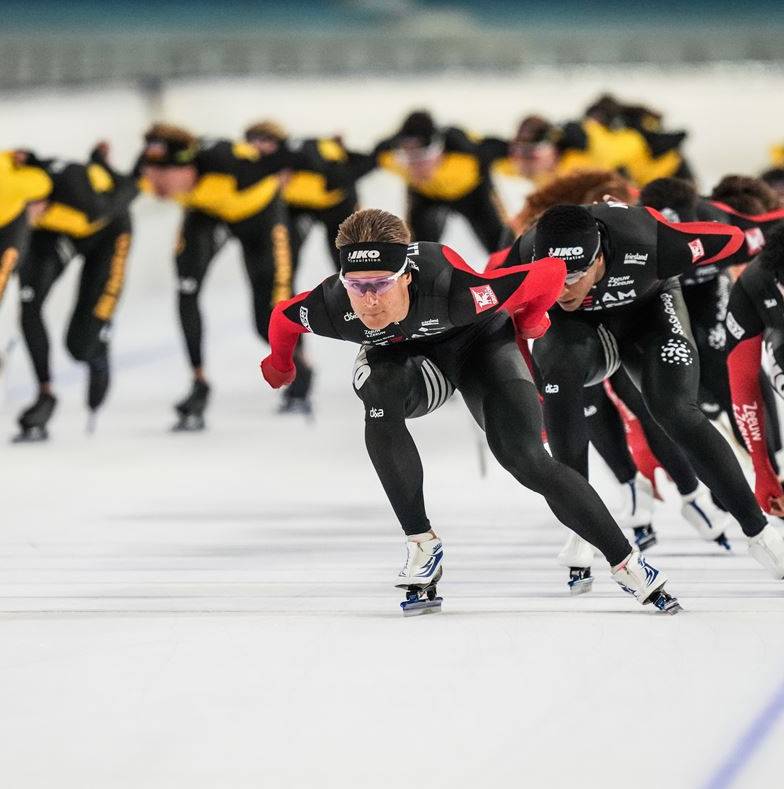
{"x":274,"y":377}
{"x":768,"y":491}
{"x":533,"y":332}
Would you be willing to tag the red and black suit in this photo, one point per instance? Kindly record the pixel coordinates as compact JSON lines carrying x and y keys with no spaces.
{"x":635,"y":317}
{"x":457,"y":335}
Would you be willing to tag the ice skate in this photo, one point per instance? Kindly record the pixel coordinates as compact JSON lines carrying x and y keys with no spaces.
{"x":291,"y":404}
{"x":33,"y":420}
{"x":709,"y":521}
{"x":191,"y":409}
{"x":420,"y":574}
{"x":637,"y":511}
{"x":577,"y":555}
{"x":767,"y":548}
{"x":640,"y":579}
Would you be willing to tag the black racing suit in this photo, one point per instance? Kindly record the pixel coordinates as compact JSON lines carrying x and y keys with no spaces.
{"x":237,"y":195}
{"x":461,"y":183}
{"x":706,"y":293}
{"x":87,"y":215}
{"x":312,"y":200}
{"x":635,"y":316}
{"x":755,"y":318}
{"x":456,"y":335}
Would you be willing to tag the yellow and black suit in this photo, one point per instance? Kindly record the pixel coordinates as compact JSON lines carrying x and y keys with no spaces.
{"x":237,"y":194}
{"x":641,"y":154}
{"x":87,"y":215}
{"x":461,"y":183}
{"x":19,"y":185}
{"x":311,"y":196}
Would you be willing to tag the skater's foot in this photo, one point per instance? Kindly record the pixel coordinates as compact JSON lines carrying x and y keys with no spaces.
{"x":190,"y":411}
{"x":33,"y":420}
{"x":98,"y":385}
{"x":767,"y":548}
{"x":296,"y":405}
{"x":644,"y":537}
{"x":577,"y":554}
{"x":643,"y":581}
{"x":710,"y":521}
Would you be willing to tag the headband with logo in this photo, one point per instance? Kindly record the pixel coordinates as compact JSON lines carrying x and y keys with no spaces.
{"x":372,"y":256}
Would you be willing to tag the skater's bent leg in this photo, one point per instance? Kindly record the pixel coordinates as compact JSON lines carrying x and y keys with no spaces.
{"x":391,"y":387}
{"x":498,"y":387}
{"x":41,"y":268}
{"x":196,"y":247}
{"x":670,"y":382}
{"x":607,"y":433}
{"x":669,"y":454}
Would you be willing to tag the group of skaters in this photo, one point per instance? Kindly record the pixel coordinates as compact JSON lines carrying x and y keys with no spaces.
{"x":628,"y":309}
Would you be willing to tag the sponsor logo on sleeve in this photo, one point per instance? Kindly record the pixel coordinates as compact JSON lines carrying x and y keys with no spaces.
{"x":551,"y":389}
{"x":733,"y":327}
{"x":303,"y":318}
{"x":376,"y":413}
{"x":770,"y":303}
{"x":755,"y":241}
{"x":484,"y":298}
{"x":697,"y":250}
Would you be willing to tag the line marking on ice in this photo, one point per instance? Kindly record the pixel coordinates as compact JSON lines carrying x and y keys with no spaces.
{"x":749,"y":743}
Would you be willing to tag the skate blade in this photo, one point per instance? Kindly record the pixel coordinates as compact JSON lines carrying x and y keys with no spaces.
{"x":32,"y":435}
{"x":645,"y":541}
{"x":723,"y":542}
{"x":583,"y":586}
{"x":666,"y":603}
{"x":189,"y":424}
{"x":421,"y":607}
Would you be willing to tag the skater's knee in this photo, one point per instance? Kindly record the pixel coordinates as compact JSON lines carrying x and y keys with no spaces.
{"x":380,"y":382}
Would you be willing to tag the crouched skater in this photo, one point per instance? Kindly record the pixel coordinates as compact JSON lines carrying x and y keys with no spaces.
{"x":428,"y":324}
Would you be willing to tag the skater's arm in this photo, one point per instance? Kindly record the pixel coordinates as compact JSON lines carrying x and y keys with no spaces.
{"x":743,"y":365}
{"x":525,"y":291}
{"x":745,"y":329}
{"x":306,"y":312}
{"x":685,"y":245}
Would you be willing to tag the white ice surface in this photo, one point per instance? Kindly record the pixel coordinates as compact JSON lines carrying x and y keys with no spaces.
{"x":217,"y":610}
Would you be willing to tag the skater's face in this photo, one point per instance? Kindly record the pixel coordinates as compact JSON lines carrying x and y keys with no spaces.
{"x":377,"y":310}
{"x":169,"y":182}
{"x":265,"y":145}
{"x":420,"y":160}
{"x":535,"y":159}
{"x":573,"y":295}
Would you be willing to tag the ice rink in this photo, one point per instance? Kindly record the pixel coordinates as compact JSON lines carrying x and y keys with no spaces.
{"x":217,"y":609}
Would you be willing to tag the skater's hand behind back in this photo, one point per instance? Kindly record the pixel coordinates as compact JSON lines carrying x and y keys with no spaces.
{"x":769,"y":493}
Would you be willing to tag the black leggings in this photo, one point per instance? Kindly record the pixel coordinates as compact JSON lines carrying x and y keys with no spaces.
{"x":657,"y":349}
{"x":396,"y":383}
{"x":481,"y":208}
{"x":100,"y":284}
{"x":266,"y":253}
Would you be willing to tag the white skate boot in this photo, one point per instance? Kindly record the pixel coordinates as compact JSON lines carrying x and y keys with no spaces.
{"x":768,"y":549}
{"x":420,"y":574}
{"x":709,"y":521}
{"x":637,"y":511}
{"x":635,"y":576}
{"x":577,"y":555}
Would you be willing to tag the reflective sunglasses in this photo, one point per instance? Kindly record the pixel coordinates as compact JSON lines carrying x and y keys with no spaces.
{"x":359,"y":286}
